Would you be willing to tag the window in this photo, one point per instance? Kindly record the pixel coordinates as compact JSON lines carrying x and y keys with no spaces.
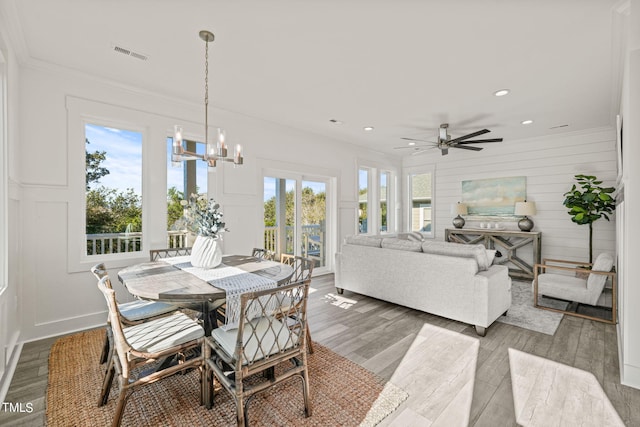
{"x":384,"y":199}
{"x":375,"y":200}
{"x":113,"y":193}
{"x":420,"y":199}
{"x":297,"y":215}
{"x":363,"y":200}
{"x":183,"y":179}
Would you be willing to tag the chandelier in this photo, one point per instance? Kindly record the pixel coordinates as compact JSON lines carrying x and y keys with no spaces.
{"x":215,"y":151}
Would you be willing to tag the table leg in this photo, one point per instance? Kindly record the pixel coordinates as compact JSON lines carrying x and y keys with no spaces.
{"x":206,"y":319}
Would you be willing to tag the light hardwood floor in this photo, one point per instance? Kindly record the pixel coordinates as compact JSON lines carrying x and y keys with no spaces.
{"x":377,"y":335}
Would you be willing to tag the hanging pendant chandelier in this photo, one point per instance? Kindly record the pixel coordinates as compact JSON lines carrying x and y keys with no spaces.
{"x":215,"y":151}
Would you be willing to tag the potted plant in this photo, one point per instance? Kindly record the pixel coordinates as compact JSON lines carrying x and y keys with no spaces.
{"x":588,"y":203}
{"x":203,"y":218}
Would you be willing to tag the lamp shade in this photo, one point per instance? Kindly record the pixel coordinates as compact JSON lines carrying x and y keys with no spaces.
{"x":525,"y":208}
{"x":459,"y":209}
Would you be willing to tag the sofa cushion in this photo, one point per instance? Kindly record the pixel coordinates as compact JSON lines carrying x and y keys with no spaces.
{"x":478,"y":252}
{"x":375,"y":242}
{"x":401,"y":244}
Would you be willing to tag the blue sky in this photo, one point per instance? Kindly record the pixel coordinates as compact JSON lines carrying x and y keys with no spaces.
{"x":124,"y":159}
{"x":124,"y":156}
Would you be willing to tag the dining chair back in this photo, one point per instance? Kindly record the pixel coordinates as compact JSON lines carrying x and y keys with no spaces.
{"x":302,"y":270}
{"x":262,"y":253}
{"x":174,"y":337}
{"x":133,"y":312}
{"x":261,"y":341}
{"x":156,"y":254}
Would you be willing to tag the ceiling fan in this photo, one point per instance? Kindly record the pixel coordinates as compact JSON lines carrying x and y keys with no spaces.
{"x":445,"y":142}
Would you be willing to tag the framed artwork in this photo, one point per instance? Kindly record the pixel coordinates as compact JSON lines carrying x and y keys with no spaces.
{"x":494,"y":197}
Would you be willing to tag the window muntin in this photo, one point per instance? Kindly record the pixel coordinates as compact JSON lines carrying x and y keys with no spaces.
{"x":113,"y":191}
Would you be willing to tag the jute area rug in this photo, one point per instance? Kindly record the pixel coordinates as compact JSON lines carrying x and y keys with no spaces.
{"x":343,"y":394}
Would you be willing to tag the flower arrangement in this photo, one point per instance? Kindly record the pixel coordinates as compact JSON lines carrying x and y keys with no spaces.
{"x":203,"y":217}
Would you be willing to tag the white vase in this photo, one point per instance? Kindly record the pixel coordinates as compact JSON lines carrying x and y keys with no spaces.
{"x":206,"y":252}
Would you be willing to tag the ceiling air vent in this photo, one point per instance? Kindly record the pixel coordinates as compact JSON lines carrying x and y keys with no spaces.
{"x":130,"y":52}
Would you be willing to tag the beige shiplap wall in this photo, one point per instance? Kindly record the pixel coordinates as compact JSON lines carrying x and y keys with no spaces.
{"x":549,"y":165}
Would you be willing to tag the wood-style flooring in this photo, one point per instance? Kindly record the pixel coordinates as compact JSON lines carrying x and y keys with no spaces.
{"x":377,"y":334}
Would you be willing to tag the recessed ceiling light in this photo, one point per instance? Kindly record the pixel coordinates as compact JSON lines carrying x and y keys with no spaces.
{"x":336,"y":122}
{"x":412,"y":143}
{"x":501,"y":92}
{"x":526,"y":122}
{"x":368,"y":128}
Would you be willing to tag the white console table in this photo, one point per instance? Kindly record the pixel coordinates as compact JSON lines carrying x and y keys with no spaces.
{"x":507,"y":242}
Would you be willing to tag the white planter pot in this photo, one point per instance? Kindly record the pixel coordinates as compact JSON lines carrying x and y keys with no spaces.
{"x":206,"y":252}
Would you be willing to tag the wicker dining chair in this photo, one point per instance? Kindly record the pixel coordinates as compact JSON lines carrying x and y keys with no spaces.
{"x":260,"y":342}
{"x":133,"y":313}
{"x":137,"y":347}
{"x":262,"y":253}
{"x":156,"y":254}
{"x":302,"y":270}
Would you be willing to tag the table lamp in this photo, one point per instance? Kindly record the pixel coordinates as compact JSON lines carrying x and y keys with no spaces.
{"x":459,"y":209}
{"x":524,"y":209}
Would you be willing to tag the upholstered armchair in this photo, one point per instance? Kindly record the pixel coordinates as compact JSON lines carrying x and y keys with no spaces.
{"x":573,"y":281}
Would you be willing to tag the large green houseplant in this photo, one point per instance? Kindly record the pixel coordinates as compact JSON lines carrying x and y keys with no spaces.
{"x":588,"y":203}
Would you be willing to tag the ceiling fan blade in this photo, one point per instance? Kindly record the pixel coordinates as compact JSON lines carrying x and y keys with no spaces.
{"x":471,"y":135}
{"x":464,"y":147}
{"x":481,"y":141}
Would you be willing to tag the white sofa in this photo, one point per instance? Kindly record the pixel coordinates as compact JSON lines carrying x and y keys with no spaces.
{"x":451,"y":280}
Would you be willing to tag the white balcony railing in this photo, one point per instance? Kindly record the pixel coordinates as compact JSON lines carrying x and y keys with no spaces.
{"x":312,"y":241}
{"x":111,"y":243}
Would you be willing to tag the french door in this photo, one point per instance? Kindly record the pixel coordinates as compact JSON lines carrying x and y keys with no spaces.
{"x":297,"y":216}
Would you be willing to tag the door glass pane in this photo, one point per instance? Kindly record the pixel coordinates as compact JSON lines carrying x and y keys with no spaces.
{"x":363,"y":198}
{"x":113,"y":192}
{"x":384,"y":197}
{"x":279,"y":215}
{"x":421,"y":202}
{"x":314,"y":221}
{"x":183,"y":178}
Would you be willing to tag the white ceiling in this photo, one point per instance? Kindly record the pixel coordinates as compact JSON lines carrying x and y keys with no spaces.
{"x":401,"y":66}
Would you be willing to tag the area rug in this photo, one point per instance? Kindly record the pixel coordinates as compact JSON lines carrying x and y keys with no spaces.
{"x":523,"y":314}
{"x":343,"y":394}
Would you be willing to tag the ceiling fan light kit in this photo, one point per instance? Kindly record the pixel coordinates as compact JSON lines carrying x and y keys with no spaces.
{"x":445,"y":142}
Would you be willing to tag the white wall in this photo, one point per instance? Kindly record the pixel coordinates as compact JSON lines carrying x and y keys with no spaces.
{"x":58,"y":293}
{"x":549,"y":165}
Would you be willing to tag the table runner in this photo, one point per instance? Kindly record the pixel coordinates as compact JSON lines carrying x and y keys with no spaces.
{"x":234,"y":281}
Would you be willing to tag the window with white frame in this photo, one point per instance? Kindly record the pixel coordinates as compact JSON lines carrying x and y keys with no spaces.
{"x":363,"y":200}
{"x":113,"y":200}
{"x":420,"y":202}
{"x":183,"y":179}
{"x":375,"y":200}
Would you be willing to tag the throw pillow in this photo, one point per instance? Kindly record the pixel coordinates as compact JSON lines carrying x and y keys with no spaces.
{"x":415,"y":237}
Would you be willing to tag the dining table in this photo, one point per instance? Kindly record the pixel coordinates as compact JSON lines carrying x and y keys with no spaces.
{"x":174,"y":280}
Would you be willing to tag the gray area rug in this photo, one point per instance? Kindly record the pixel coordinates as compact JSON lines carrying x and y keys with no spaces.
{"x":523,"y":314}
